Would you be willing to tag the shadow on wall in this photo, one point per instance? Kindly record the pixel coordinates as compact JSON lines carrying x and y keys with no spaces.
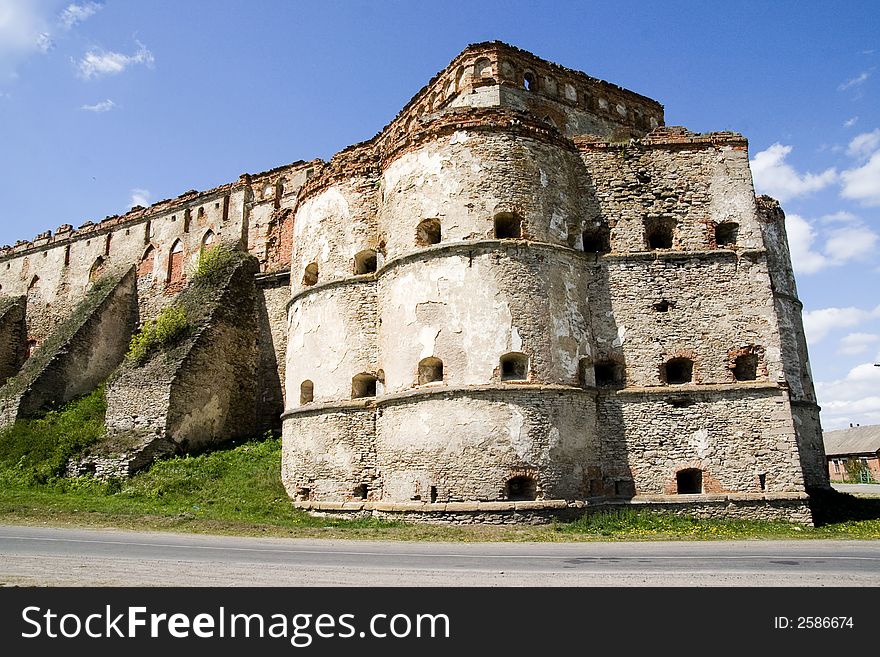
{"x":611,"y":474}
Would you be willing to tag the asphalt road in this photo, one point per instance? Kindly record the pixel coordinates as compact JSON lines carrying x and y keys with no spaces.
{"x":78,"y":557}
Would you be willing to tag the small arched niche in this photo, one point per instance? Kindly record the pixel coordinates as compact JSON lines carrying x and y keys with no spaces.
{"x":514,"y":366}
{"x":677,"y":371}
{"x":310,"y":275}
{"x":745,"y":367}
{"x":508,"y":225}
{"x":725,"y":234}
{"x":521,"y":489}
{"x":428,"y":232}
{"x":689,"y":481}
{"x":365,"y":262}
{"x":596,"y":239}
{"x":430,"y":370}
{"x":659,"y":233}
{"x":609,"y":373}
{"x":363,"y":385}
{"x":306,"y":392}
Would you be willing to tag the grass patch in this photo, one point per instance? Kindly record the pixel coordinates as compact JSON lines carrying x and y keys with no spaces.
{"x":33,"y":451}
{"x":239,"y":491}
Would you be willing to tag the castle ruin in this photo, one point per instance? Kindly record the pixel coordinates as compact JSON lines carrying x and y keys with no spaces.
{"x":525,"y":297}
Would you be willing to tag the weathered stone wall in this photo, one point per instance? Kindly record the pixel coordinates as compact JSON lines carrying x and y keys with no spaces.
{"x":329,"y":453}
{"x":470,"y":304}
{"x":273,"y":293}
{"x":80,"y":353}
{"x":468,"y":443}
{"x":734,"y":434}
{"x":583,"y":282}
{"x":331,"y":339}
{"x":200,"y":392}
{"x":13,"y":336}
{"x":718,"y":302}
{"x":748,"y":506}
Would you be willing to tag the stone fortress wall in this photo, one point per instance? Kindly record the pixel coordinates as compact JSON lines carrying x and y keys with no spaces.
{"x":524,"y":294}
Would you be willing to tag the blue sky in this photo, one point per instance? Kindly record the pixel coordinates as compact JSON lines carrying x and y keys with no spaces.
{"x":107,"y":104}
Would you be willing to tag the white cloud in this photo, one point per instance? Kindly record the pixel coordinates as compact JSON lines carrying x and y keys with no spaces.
{"x":850,"y":122}
{"x":140,"y":197}
{"x":28,"y":27}
{"x":835,"y":240}
{"x":856,"y":242}
{"x":24,"y":30}
{"x":801,"y":237}
{"x":856,"y":343}
{"x":861,"y":78}
{"x":774,"y":176}
{"x":864,"y":145}
{"x":77,"y":13}
{"x":103,"y":106}
{"x":853,"y":399}
{"x":96,"y":63}
{"x":863,"y":183}
{"x":819,"y":323}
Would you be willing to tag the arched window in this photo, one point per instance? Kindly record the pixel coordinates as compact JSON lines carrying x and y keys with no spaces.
{"x":310,"y":276}
{"x":521,"y":489}
{"x":689,"y":481}
{"x":145,"y":267}
{"x":530,"y":82}
{"x":597,"y":239}
{"x":363,"y":385}
{"x":208,"y":238}
{"x":97,"y":269}
{"x":306,"y":392}
{"x":508,"y":225}
{"x":482,"y":69}
{"x":745,"y":367}
{"x":430,"y":370}
{"x":34,"y":284}
{"x":175,"y":263}
{"x":659,"y":233}
{"x":365,"y":262}
{"x":725,"y":234}
{"x":514,"y":366}
{"x":678,"y":370}
{"x":428,"y":232}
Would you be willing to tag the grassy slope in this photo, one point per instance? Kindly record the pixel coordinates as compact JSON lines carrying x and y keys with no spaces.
{"x":239,"y":491}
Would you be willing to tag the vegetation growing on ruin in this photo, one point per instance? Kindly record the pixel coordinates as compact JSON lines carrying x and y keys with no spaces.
{"x":213,"y":265}
{"x":35,"y":451}
{"x":192,"y":308}
{"x":166,"y":330}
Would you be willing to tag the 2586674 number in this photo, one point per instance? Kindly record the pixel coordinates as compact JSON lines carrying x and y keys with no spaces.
{"x":824,"y":622}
